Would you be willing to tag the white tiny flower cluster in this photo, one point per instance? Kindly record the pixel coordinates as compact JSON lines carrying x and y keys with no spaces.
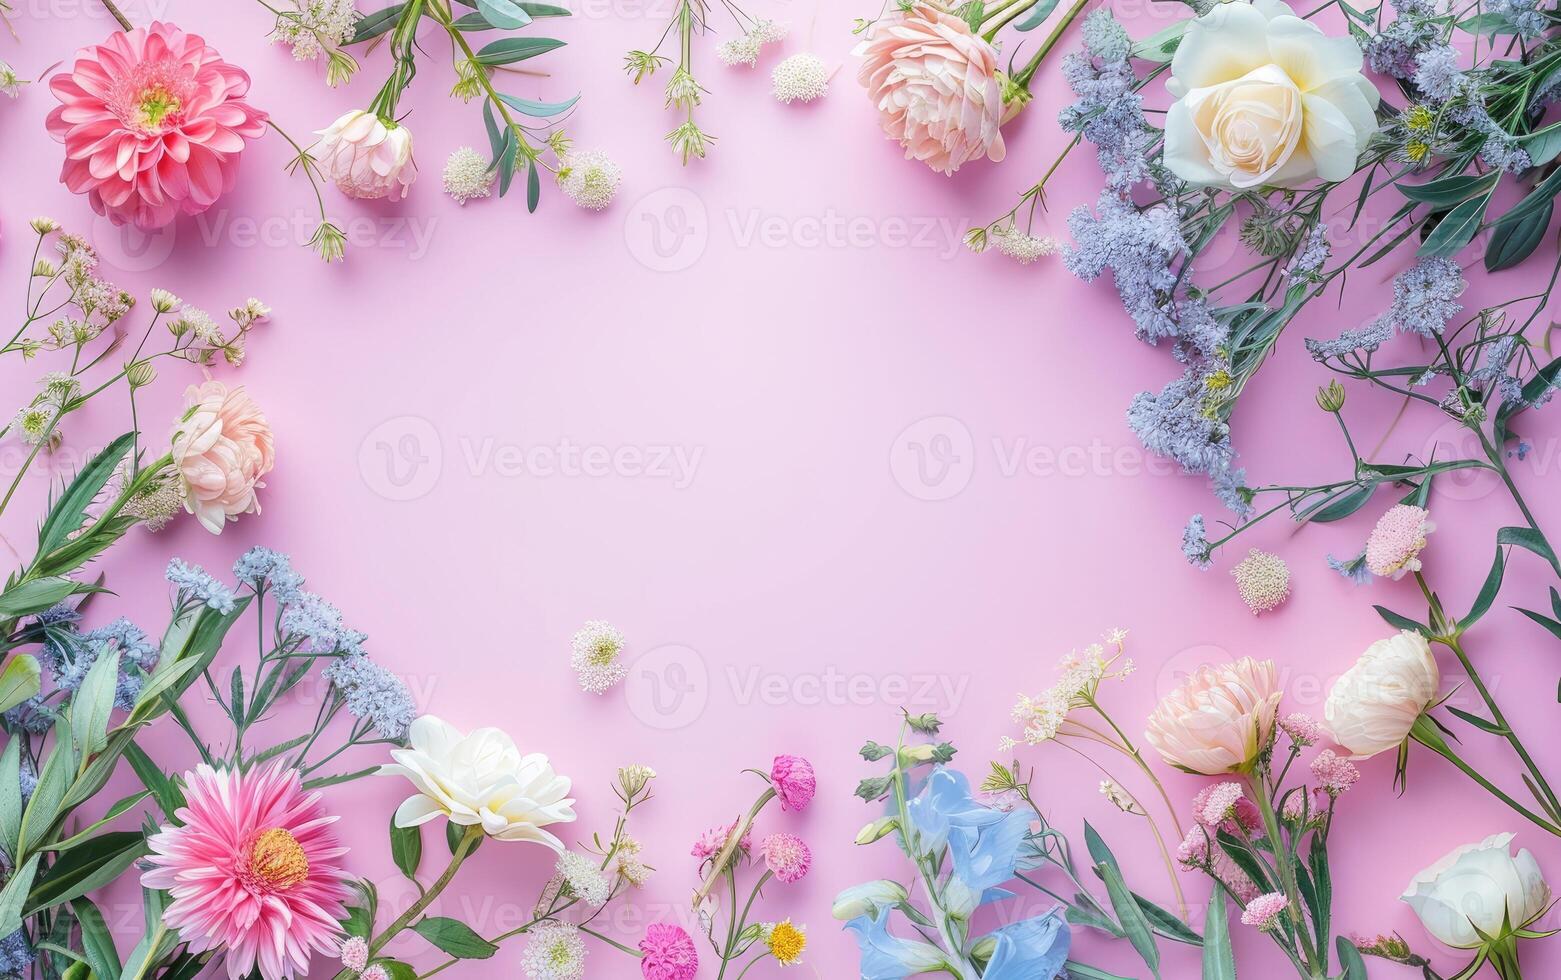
{"x":584,"y":877}
{"x":467,"y":175}
{"x":1023,"y":248}
{"x":800,"y":78}
{"x":314,"y":26}
{"x":554,"y":951}
{"x":1081,"y":673}
{"x":746,"y":48}
{"x":589,"y":179}
{"x":595,"y":656}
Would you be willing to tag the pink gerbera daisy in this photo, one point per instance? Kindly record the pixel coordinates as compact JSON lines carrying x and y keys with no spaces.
{"x":252,"y":871}
{"x":153,"y":122}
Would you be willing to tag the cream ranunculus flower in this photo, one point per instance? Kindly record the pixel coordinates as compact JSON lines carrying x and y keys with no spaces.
{"x":1264,"y":97}
{"x":479,"y":779}
{"x":1373,"y":706}
{"x":1219,"y":720}
{"x":1478,"y":886}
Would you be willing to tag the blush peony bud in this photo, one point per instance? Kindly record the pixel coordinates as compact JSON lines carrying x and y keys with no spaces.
{"x":1220,"y":720}
{"x":1373,"y":706}
{"x":935,"y":83}
{"x":222,"y":446}
{"x":366,"y":156}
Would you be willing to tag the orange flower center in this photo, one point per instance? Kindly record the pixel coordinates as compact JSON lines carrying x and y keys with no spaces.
{"x":277,"y":860}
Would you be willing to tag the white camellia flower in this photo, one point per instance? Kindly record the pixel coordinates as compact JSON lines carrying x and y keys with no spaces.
{"x":1477,"y":886}
{"x":479,"y":779}
{"x":1375,"y":703}
{"x":1265,"y":98}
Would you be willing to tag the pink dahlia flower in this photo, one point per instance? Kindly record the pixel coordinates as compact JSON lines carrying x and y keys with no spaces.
{"x":794,"y":782}
{"x":787,"y":856}
{"x":935,"y":84}
{"x":366,"y":156}
{"x":669,"y":953}
{"x":222,"y":446}
{"x":153,"y":122}
{"x":253,"y":871}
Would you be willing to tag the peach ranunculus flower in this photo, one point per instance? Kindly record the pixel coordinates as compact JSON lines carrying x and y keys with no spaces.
{"x":1220,"y":720}
{"x":1374,"y":705}
{"x":222,"y":446}
{"x":935,"y":83}
{"x":1266,"y":98}
{"x":366,"y":156}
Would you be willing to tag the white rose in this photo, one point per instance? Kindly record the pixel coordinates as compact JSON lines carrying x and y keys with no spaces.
{"x":1475,"y":887}
{"x":479,"y":779}
{"x":1264,"y":97}
{"x":1375,"y":703}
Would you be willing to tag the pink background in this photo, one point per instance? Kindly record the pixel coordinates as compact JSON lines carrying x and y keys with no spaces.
{"x":788,"y":314}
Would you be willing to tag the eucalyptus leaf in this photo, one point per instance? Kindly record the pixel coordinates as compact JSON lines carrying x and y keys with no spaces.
{"x":1037,"y":16}
{"x":509,"y":50}
{"x":1511,"y":243}
{"x":504,"y":13}
{"x":1456,"y":229}
{"x":1134,"y":923}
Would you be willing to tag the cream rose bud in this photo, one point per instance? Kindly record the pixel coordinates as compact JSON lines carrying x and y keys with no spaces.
{"x":1478,"y":887}
{"x":1219,"y":720}
{"x":1266,"y":98}
{"x":1375,"y":703}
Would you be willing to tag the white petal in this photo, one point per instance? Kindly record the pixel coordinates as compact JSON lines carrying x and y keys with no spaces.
{"x":1225,"y":43}
{"x":1185,"y":152}
{"x":1309,"y":56}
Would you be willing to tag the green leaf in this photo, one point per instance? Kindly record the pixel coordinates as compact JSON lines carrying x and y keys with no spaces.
{"x":21,"y":679}
{"x":1342,"y":504}
{"x":163,"y":789}
{"x":1131,"y":917}
{"x":13,"y":896}
{"x":373,"y":25}
{"x":1350,"y":960}
{"x":1552,"y":625}
{"x":86,"y":868}
{"x":455,"y":938}
{"x":1322,"y":879}
{"x":509,"y":50}
{"x":97,"y":942}
{"x":1488,"y":591}
{"x":504,"y":13}
{"x":540,"y":110}
{"x":36,"y":595}
{"x":1483,"y":725}
{"x":119,"y":808}
{"x":1487,"y":23}
{"x":533,"y":187}
{"x":1400,"y":622}
{"x":45,"y":805}
{"x":1167,"y":924}
{"x":1450,"y":191}
{"x":1037,"y":16}
{"x":1542,"y":145}
{"x":1535,"y":201}
{"x":10,"y":796}
{"x":93,"y":704}
{"x":1511,"y":243}
{"x":406,"y":847}
{"x":69,"y":511}
{"x":1098,"y":851}
{"x":1527,"y":537}
{"x":1219,"y":960}
{"x":1085,"y":972}
{"x":1456,"y":229}
{"x":1161,"y":45}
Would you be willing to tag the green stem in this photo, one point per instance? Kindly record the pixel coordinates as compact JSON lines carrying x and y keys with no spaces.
{"x":1052,"y":39}
{"x":1426,"y":733}
{"x":462,"y":851}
